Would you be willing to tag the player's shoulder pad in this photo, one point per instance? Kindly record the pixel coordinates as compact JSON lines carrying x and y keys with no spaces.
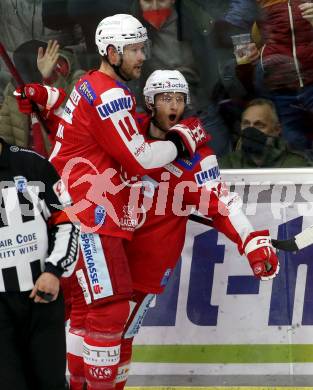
{"x":114,"y":101}
{"x":86,"y":91}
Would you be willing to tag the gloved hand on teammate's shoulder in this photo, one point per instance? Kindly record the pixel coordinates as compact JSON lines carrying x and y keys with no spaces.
{"x":261,"y":255}
{"x":187,"y":135}
{"x":47,"y":98}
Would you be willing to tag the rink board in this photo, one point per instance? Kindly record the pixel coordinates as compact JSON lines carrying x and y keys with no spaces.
{"x":217,"y":321}
{"x":216,"y":388}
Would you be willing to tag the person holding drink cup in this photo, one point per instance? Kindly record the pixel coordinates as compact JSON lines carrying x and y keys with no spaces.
{"x":245,"y":51}
{"x":284,"y":70}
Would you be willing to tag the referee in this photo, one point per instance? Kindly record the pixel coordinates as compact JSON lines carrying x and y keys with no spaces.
{"x":38,"y":244}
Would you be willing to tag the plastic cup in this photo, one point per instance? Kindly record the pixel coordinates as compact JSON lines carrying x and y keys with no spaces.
{"x":241,"y":48}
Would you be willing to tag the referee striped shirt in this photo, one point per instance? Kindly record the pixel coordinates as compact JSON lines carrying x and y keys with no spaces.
{"x":31,"y":192}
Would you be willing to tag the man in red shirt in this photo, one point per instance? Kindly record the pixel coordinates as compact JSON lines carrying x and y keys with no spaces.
{"x":159,"y":205}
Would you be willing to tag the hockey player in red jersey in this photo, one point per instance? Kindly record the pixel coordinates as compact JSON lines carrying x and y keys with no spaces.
{"x":159,"y":206}
{"x":97,"y":134}
{"x":180,"y":187}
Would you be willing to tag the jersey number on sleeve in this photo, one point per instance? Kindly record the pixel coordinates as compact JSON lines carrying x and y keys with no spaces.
{"x":127,"y":128}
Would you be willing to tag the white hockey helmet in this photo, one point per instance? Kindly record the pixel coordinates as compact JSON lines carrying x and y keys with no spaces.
{"x":119,"y":30}
{"x":161,"y":81}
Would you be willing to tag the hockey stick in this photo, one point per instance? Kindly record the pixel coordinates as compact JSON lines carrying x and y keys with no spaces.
{"x":19,"y":83}
{"x":199,"y":219}
{"x":11,"y":67}
{"x":298,"y":242}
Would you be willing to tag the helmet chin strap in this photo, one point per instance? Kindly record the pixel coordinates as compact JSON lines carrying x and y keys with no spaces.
{"x":157,"y":124}
{"x":154,"y":120}
{"x":118,"y":71}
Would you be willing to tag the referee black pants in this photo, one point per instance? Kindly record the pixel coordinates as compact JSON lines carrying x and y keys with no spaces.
{"x":32,"y":343}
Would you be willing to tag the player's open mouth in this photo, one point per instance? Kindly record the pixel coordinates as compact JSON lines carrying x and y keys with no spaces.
{"x":172,"y":117}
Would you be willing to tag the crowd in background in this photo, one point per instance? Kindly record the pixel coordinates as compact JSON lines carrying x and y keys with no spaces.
{"x":248,"y":63}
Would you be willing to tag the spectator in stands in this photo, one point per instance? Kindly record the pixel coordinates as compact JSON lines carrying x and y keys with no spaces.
{"x":21,"y":21}
{"x":44,"y":61}
{"x":260,"y":145}
{"x":285,"y":71}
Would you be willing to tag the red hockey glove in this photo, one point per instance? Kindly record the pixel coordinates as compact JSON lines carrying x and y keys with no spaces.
{"x":45,"y":96}
{"x":261,"y":255}
{"x":187,"y":135}
{"x":23,"y":103}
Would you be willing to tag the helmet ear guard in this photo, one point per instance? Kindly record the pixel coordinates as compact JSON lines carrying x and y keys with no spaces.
{"x":150,"y":106}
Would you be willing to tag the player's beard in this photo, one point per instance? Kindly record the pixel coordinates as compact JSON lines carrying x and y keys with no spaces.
{"x":131,"y":72}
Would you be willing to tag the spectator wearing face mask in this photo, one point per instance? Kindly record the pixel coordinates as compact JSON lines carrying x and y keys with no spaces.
{"x":260,"y":144}
{"x":283,"y":73}
{"x":36,"y":61}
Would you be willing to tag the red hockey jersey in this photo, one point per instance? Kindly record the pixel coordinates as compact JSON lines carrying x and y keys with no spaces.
{"x":97,"y":134}
{"x":160,"y":205}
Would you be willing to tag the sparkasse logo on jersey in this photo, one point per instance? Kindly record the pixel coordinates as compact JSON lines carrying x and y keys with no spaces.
{"x":97,"y":269}
{"x":91,"y":266}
